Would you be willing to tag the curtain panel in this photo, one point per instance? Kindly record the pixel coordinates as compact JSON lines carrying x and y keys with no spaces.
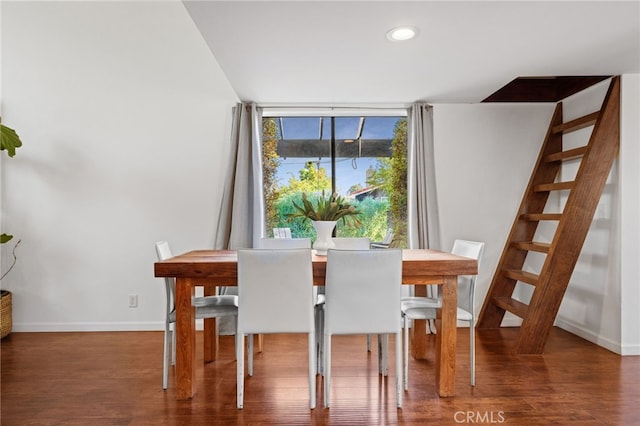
{"x":423,"y":219}
{"x":240,"y":220}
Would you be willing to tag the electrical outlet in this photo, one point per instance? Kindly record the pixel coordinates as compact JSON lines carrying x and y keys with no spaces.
{"x":133,"y":300}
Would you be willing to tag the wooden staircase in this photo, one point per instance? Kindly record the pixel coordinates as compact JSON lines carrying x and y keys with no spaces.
{"x":573,"y":223}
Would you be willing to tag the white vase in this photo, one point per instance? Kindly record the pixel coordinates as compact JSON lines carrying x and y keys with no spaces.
{"x":324,"y":240}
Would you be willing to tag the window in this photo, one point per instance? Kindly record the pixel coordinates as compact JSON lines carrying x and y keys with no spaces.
{"x":361,"y":157}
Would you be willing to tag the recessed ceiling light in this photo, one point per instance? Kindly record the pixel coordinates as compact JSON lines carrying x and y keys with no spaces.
{"x":401,"y":33}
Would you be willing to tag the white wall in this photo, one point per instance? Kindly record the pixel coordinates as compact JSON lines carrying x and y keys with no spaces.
{"x":601,"y":302}
{"x":591,"y":305}
{"x":484,"y":155}
{"x":124,"y":115}
{"x":629,"y":210}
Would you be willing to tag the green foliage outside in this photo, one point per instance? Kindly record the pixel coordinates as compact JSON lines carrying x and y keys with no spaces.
{"x":377,"y":215}
{"x":391,"y":175}
{"x":311,"y":179}
{"x":270,"y":163}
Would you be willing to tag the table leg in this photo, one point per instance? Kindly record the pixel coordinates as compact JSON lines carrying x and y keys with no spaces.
{"x":418,"y":333}
{"x":210,"y":334}
{"x":446,"y":323}
{"x":210,"y":340}
{"x":185,"y":339}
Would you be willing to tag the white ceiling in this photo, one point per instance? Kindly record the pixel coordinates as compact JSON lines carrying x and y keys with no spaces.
{"x":336,"y":52}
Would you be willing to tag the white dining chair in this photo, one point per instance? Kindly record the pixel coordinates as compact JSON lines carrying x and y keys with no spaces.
{"x":278,"y":243}
{"x":424,"y":308}
{"x":206,"y":307}
{"x":350,"y":275}
{"x":386,"y":241}
{"x":264,"y":276}
{"x":282,"y":233}
{"x":284,"y":243}
{"x":340,"y":243}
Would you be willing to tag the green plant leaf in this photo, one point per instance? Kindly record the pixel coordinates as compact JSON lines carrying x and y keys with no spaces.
{"x":4,"y":238}
{"x":9,"y":140}
{"x":326,"y":209}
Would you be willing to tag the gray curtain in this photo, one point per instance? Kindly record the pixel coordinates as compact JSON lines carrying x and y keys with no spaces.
{"x":240,"y":219}
{"x":423,"y":220}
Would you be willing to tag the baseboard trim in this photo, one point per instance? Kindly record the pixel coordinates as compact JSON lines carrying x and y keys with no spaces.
{"x":592,"y":337}
{"x":94,"y":326}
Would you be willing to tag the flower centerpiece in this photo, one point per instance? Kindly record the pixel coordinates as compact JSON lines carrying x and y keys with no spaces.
{"x":324,"y":214}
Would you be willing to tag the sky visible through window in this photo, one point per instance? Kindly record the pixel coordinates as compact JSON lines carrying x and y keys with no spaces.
{"x":349,"y":170}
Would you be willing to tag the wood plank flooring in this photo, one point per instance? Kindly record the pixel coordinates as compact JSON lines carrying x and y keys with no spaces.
{"x":114,"y":378}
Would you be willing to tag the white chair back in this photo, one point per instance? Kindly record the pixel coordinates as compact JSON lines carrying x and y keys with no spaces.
{"x":284,"y":243}
{"x":386,"y":241}
{"x":362,"y":291}
{"x":282,"y":233}
{"x":264,"y":278}
{"x":351,"y":243}
{"x":163,"y":251}
{"x":466,"y":283}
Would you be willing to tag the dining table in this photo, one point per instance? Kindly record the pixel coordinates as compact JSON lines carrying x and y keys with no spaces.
{"x":420,"y":267}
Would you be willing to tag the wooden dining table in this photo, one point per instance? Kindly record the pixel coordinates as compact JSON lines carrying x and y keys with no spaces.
{"x":420,"y":267}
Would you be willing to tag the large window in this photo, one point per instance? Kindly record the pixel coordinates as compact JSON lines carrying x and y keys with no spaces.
{"x":363,"y":158}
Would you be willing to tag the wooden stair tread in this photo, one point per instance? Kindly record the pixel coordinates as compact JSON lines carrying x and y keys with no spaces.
{"x":534,"y":217}
{"x":569,"y":154}
{"x":512,"y":305}
{"x":556,"y":186}
{"x":532,"y":246}
{"x":523,"y":276}
{"x":577,"y":124}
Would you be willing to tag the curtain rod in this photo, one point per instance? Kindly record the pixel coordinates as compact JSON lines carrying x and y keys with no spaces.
{"x":319,"y":110}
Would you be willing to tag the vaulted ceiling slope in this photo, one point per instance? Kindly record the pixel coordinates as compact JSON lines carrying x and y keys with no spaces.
{"x":336,"y":52}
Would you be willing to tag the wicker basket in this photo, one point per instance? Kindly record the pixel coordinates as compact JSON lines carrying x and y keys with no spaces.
{"x":6,"y":321}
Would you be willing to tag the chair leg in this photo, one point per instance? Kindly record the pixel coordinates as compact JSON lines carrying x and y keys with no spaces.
{"x":472,"y":351}
{"x":235,"y":344}
{"x":312,"y":369}
{"x":379,"y":354}
{"x":431,"y":325}
{"x":173,"y":345}
{"x":319,"y":317}
{"x":260,"y":342}
{"x":240,"y":369}
{"x":250,"y":354}
{"x":368,"y":343}
{"x":399,"y":369}
{"x":165,"y":356}
{"x":406,"y":353}
{"x":385,"y":354}
{"x":327,"y":369}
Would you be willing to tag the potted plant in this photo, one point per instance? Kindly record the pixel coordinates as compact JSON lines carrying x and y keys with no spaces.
{"x":324,"y":215}
{"x":9,"y":141}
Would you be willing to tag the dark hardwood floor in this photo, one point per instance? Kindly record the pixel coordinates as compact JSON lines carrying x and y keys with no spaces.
{"x":114,"y":378}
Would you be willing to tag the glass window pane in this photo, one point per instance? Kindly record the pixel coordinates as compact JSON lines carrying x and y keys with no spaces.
{"x":370,"y":171}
